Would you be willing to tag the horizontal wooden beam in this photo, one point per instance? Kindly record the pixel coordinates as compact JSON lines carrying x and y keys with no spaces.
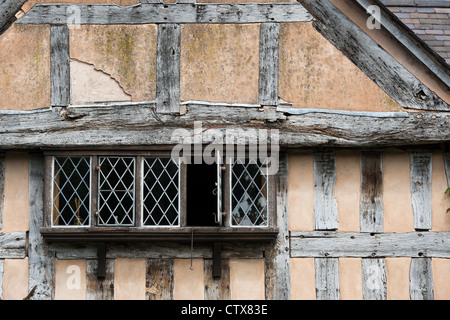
{"x":167,"y":13}
{"x":140,"y":125}
{"x":318,"y":244}
{"x":179,"y":234}
{"x":12,"y":245}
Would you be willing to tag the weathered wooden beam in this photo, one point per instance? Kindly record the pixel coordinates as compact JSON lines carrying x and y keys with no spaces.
{"x":325,"y":204}
{"x":2,"y":187}
{"x":99,"y":289}
{"x":371,"y":194}
{"x":59,"y":66}
{"x":8,"y":10}
{"x":217,"y":289}
{"x":421,"y":189}
{"x":87,"y":250}
{"x":268,"y":64}
{"x":12,"y":245}
{"x":347,"y":244}
{"x":2,"y":267}
{"x":168,"y":69}
{"x":277,"y":253}
{"x":374,"y":279}
{"x":371,"y":58}
{"x":447,"y":167}
{"x":41,"y":263}
{"x":140,"y":125}
{"x":169,"y":13}
{"x":159,"y":279}
{"x":421,"y":279}
{"x":327,"y":278}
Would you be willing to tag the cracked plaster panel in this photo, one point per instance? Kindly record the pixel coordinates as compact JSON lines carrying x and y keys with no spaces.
{"x":89,"y":85}
{"x":25,"y":68}
{"x":314,"y":74}
{"x":30,"y":4}
{"x":127,"y":53}
{"x":220,"y":63}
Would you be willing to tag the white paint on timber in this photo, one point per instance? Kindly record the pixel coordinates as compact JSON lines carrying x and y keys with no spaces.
{"x":371,"y":114}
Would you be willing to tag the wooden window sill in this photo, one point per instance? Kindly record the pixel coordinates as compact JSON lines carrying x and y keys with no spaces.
{"x":155,"y":234}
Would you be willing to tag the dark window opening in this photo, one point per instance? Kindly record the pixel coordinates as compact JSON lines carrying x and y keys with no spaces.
{"x":201,"y":196}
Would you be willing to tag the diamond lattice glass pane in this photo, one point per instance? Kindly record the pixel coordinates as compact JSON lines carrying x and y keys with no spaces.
{"x":160,"y":192}
{"x":248,"y":193}
{"x":71,"y":191}
{"x":116,"y":191}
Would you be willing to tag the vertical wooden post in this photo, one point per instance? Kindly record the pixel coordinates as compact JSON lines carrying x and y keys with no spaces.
{"x":60,"y":66}
{"x":2,"y":187}
{"x":371,"y":199}
{"x":168,"y":68}
{"x":374,"y":279}
{"x":327,"y":278}
{"x":268,"y":64}
{"x":421,"y":279}
{"x":277,"y":254}
{"x":325,"y":204}
{"x":421,"y":189}
{"x":41,"y":263}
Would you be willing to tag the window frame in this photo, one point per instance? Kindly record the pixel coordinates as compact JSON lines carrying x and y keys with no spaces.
{"x":139,"y":231}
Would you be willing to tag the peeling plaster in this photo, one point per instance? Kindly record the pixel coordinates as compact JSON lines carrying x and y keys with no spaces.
{"x":90,"y":84}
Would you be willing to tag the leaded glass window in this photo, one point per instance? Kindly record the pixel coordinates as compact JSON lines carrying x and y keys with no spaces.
{"x":71,"y":191}
{"x":249,"y":194}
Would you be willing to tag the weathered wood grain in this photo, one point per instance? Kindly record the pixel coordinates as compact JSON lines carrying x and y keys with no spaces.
{"x":2,"y":187}
{"x":170,"y":13}
{"x":268,"y":64}
{"x":8,"y":10}
{"x":166,"y":250}
{"x":99,"y":289}
{"x":447,"y":167}
{"x":277,"y":276}
{"x":139,"y":124}
{"x":2,"y":264}
{"x":327,"y":278}
{"x":168,"y":69}
{"x":217,"y":289}
{"x":421,"y":171}
{"x":371,"y":194}
{"x":325,"y":204}
{"x":421,"y":279}
{"x":374,"y":279}
{"x":372,"y":58}
{"x":41,"y":262}
{"x":159,"y":279}
{"x":12,"y":245}
{"x":59,"y":66}
{"x":365,"y":245}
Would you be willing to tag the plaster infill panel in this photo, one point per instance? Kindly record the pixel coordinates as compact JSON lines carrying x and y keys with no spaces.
{"x":15,"y":279}
{"x":130,"y":279}
{"x":188,"y":279}
{"x":220,"y":63}
{"x":441,"y":278}
{"x":126,"y":53}
{"x":247,"y":279}
{"x":70,"y":279}
{"x":397,"y":203}
{"x":303,"y":279}
{"x":397,"y":278}
{"x":314,"y":74}
{"x":16,"y":208}
{"x":440,"y":202}
{"x":25,"y":67}
{"x":301,"y":192}
{"x":348,"y":189}
{"x":350,"y":279}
